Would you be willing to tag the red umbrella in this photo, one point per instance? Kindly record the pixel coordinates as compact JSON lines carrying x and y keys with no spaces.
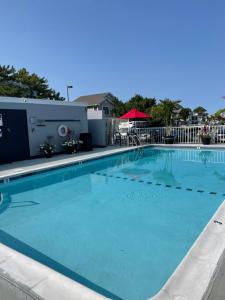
{"x":135,"y":114}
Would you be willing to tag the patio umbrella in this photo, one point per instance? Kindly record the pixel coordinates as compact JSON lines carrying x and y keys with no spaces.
{"x":135,"y":114}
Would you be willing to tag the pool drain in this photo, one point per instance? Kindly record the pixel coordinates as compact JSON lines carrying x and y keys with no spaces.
{"x":217,"y":222}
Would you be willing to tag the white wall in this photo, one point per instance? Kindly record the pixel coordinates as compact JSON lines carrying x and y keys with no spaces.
{"x":94,"y":114}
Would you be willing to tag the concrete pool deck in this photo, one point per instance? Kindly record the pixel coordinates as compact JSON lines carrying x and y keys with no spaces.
{"x":19,"y":168}
{"x":200,"y":275}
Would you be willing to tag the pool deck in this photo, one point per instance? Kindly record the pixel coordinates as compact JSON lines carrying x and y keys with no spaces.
{"x":19,"y":168}
{"x":200,"y":275}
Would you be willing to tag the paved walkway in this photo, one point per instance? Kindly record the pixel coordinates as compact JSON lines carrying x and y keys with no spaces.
{"x":9,"y":291}
{"x":218,"y":289}
{"x":38,"y":164}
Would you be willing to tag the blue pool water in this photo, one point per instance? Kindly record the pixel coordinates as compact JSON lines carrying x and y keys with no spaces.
{"x":120,"y":225}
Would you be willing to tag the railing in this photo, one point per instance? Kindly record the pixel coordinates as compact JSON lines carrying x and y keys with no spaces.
{"x":200,"y":156}
{"x":184,"y":134}
{"x":134,"y":140}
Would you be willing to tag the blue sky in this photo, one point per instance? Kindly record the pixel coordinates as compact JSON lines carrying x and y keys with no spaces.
{"x":160,"y":48}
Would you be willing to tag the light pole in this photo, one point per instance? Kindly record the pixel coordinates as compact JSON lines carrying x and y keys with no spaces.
{"x":67,"y":89}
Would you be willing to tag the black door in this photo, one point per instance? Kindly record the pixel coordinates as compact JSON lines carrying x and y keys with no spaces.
{"x":14,"y":144}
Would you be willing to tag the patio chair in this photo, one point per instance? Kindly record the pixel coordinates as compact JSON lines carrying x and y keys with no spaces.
{"x":120,"y":139}
{"x":117,"y":138}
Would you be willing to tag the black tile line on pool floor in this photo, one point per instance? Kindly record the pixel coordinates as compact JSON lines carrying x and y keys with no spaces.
{"x":156,"y":183}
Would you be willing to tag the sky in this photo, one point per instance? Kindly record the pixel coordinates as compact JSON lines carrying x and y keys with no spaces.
{"x":156,"y":48}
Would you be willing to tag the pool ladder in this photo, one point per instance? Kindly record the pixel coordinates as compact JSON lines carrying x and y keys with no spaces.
{"x":134,"y":140}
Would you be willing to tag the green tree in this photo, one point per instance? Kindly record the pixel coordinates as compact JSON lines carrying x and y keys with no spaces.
{"x":119,"y":108}
{"x":7,"y":73}
{"x":23,"y":84}
{"x":184,"y":113}
{"x":199,"y":110}
{"x":218,"y":113}
{"x":141,"y":103}
{"x":156,"y":113}
{"x":168,"y":108}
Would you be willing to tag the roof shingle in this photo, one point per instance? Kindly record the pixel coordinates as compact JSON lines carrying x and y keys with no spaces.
{"x":94,"y":99}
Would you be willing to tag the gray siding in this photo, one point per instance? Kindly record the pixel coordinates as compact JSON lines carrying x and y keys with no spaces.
{"x":97,"y":128}
{"x":108,"y":104}
{"x":38,"y":134}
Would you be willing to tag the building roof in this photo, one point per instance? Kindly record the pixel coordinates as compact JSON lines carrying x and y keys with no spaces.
{"x":38,"y":101}
{"x":94,"y":99}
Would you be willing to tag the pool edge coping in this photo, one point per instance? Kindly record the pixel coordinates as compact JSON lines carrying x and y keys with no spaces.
{"x":171,"y":288}
{"x":37,"y":281}
{"x":208,"y":253}
{"x":92,"y":156}
{"x":68,"y":162}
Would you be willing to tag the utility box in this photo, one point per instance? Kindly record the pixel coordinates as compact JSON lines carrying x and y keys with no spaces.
{"x":87,"y":141}
{"x":98,"y":130}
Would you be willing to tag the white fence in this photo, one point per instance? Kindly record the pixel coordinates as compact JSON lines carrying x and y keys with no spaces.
{"x":184,"y":135}
{"x":216,"y":157}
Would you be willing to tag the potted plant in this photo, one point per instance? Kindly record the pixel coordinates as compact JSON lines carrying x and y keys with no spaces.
{"x":205,"y":135}
{"x":47,"y":149}
{"x":71,"y":145}
{"x":169,"y":110}
{"x":169,"y":138}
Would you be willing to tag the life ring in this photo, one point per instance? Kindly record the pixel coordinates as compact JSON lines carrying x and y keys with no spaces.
{"x":62,"y":130}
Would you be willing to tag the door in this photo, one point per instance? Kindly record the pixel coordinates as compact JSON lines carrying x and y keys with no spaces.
{"x":14,"y":144}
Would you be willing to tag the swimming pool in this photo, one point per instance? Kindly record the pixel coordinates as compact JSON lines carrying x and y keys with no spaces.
{"x":119,"y":225}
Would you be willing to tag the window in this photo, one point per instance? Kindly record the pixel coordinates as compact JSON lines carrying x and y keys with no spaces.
{"x":106,"y":110}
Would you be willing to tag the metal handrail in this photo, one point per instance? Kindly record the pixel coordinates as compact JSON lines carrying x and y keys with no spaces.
{"x":135,"y":139}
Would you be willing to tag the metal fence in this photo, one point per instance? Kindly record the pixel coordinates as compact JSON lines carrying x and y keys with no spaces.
{"x":183,"y":134}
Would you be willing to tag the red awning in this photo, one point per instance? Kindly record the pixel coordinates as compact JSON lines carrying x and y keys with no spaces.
{"x":135,"y":114}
